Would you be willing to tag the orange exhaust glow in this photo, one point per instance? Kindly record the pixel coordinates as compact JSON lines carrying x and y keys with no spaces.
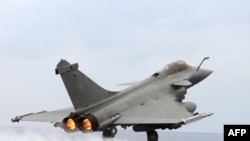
{"x":70,"y":124}
{"x":86,"y":124}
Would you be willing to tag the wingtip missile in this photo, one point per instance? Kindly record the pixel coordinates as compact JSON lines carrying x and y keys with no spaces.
{"x":196,"y":117}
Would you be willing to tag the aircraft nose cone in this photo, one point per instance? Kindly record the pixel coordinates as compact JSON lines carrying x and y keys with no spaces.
{"x":200,"y":75}
{"x":203,"y":73}
{"x":206,"y":73}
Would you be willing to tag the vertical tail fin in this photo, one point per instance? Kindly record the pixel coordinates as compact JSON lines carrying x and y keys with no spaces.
{"x":81,"y":89}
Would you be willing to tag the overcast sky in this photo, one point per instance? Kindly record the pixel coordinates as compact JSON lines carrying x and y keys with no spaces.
{"x":124,"y":41}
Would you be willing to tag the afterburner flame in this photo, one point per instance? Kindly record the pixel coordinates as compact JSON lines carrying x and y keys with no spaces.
{"x":86,"y":124}
{"x":70,"y":124}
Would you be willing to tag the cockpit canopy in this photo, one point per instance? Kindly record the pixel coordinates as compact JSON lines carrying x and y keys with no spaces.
{"x":175,"y":67}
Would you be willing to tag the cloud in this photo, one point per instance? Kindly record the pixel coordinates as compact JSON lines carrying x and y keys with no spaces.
{"x":35,"y":134}
{"x":22,"y":134}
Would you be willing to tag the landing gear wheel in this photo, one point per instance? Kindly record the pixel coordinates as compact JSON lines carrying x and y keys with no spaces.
{"x":109,"y":133}
{"x":152,"y":136}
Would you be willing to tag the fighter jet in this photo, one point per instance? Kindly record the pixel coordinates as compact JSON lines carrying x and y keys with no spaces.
{"x":156,"y":103}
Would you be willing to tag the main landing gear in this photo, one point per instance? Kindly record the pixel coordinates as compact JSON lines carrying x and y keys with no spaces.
{"x":109,"y":133}
{"x":152,"y":136}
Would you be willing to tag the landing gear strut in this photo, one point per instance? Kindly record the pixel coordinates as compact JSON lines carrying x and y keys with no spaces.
{"x":152,"y":136}
{"x":109,"y":133}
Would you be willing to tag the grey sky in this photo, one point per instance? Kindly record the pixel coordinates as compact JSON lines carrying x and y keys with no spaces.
{"x":124,"y":41}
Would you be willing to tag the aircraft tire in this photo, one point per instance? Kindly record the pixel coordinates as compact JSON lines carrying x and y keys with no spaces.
{"x":109,"y":133}
{"x":152,"y":136}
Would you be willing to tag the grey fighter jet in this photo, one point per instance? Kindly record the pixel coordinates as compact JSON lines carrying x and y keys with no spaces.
{"x":149,"y":105}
